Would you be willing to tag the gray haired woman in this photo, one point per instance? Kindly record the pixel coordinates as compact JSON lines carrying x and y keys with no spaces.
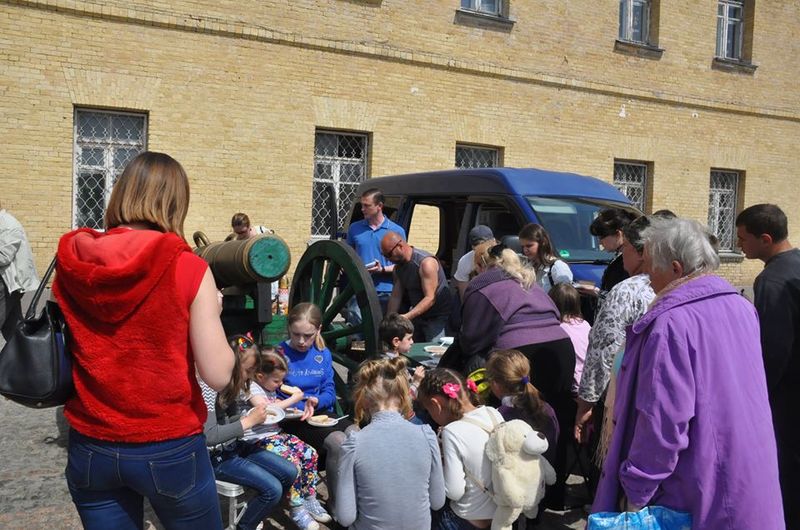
{"x":692,"y":419}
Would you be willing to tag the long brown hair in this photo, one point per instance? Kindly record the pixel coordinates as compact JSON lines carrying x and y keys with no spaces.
{"x":544,"y":253}
{"x":381,"y":382}
{"x":511,"y":370}
{"x":153,"y":189}
{"x":310,"y":313}
{"x":243,"y":347}
{"x":433,"y":385}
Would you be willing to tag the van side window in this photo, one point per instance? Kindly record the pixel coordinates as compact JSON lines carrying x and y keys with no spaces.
{"x":499,"y":218}
{"x":424,"y":231}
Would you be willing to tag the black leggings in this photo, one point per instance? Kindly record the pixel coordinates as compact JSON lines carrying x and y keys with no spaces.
{"x":552,"y":372}
{"x":315,"y":436}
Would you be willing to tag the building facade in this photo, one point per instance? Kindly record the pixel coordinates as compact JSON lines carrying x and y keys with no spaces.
{"x":690,"y":105}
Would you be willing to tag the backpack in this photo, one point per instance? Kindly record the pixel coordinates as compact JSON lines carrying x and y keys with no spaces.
{"x":519,"y":472}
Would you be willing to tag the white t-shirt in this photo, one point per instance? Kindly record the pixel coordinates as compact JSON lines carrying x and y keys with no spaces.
{"x":463,"y":447}
{"x":560,"y":272}
{"x":465,"y":266}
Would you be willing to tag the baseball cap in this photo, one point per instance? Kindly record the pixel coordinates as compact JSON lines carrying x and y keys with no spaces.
{"x":479,"y":234}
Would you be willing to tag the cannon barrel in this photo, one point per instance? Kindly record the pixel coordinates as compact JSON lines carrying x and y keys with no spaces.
{"x":264,"y":258}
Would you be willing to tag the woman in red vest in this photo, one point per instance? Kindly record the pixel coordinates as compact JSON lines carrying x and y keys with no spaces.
{"x":143,"y":313}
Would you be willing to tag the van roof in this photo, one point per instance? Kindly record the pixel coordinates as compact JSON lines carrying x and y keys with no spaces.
{"x":497,"y":181}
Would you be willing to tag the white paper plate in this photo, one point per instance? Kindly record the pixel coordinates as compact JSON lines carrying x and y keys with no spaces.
{"x":446,"y":341}
{"x":330,"y":423}
{"x":274,"y":415}
{"x":292,"y":413}
{"x":435,"y":351}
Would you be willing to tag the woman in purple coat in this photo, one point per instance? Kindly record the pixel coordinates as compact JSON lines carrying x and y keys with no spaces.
{"x":693,"y":430}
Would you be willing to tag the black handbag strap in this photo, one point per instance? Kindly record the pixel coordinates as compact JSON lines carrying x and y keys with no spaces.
{"x":39,"y":290}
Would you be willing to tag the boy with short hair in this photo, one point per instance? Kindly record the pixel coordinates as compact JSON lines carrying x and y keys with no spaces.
{"x":397,"y":334}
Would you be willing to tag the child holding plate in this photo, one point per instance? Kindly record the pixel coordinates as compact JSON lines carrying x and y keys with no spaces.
{"x":269,"y":376}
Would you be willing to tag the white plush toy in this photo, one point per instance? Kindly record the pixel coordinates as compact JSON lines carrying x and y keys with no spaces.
{"x":519,"y":472}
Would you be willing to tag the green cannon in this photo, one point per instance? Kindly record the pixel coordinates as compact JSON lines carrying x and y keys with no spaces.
{"x":328,"y":274}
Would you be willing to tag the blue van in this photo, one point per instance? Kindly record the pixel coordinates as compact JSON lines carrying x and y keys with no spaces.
{"x":505,"y":199}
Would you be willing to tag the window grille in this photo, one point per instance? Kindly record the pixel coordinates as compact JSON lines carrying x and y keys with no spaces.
{"x":730,"y":28}
{"x":492,"y":7}
{"x":470,"y":157}
{"x":634,"y":20}
{"x":104,"y":144}
{"x":722,"y":207}
{"x":631,"y":179}
{"x":340,"y":161}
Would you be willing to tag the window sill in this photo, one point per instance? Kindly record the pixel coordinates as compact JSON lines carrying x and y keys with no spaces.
{"x":468,"y":17}
{"x":639,"y":49}
{"x":727,"y":256}
{"x":733,"y":65}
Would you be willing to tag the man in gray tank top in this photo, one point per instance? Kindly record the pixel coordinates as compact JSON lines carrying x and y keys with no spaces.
{"x":419,"y":281}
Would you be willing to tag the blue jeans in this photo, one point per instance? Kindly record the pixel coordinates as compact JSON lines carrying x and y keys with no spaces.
{"x":253,"y":466}
{"x":446,"y":519}
{"x":108,"y":482}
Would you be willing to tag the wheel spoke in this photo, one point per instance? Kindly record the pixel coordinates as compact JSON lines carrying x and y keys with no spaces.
{"x":331,"y":277}
{"x":316,"y":280}
{"x":337,"y":333}
{"x":336,"y":305}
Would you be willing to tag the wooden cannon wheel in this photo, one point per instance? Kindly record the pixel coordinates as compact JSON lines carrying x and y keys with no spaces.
{"x":324,"y":266}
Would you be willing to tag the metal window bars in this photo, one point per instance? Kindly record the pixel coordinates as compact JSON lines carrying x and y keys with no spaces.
{"x":631,"y":179}
{"x":340,"y":160}
{"x":722,"y":207}
{"x":475,"y":157}
{"x":104,"y":144}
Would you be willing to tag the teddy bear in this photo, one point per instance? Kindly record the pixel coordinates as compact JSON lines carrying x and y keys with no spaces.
{"x":519,"y":472}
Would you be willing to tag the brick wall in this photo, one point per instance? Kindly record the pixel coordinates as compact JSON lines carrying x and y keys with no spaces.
{"x":236,"y":93}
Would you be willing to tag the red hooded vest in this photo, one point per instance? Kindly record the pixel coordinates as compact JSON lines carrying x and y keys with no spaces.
{"x":133,"y":367}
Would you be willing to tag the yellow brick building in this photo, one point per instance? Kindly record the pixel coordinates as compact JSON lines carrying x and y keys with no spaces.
{"x":240,"y":93}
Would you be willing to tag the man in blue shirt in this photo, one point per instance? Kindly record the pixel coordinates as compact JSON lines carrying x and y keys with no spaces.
{"x":365,"y":237}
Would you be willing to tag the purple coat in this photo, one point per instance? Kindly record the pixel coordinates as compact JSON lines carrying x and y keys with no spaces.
{"x":693,"y":430}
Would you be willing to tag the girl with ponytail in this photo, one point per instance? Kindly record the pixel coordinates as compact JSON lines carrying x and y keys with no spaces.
{"x":452,"y":402}
{"x":387,"y":447}
{"x":508,"y":372}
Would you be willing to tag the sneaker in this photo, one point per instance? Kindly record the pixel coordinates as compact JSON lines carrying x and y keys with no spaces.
{"x":302,"y":518}
{"x":316,"y":510}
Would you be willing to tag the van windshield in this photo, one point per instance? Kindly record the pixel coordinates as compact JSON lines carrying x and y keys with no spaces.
{"x":567,"y":222}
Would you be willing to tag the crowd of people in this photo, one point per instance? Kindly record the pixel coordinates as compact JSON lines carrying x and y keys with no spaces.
{"x":681,"y":390}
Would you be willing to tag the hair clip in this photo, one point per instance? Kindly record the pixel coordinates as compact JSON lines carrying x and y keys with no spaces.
{"x":497,"y":250}
{"x":525,"y":380}
{"x":451,"y":390}
{"x":472,"y":386}
{"x":243,"y":343}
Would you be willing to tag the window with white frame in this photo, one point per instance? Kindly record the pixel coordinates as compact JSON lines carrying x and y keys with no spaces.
{"x":340,"y":165}
{"x":722,"y":207}
{"x":491,"y":7}
{"x":631,"y":179}
{"x":730,"y":29}
{"x":104,"y":144}
{"x":634,"y":20}
{"x":468,"y":156}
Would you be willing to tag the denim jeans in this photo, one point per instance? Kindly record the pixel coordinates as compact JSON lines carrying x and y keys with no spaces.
{"x":108,"y":482}
{"x":446,"y":519}
{"x":253,"y":466}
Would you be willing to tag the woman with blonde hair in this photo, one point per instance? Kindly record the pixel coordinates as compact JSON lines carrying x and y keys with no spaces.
{"x":143,"y":315}
{"x":504,"y":308}
{"x":388,"y":446}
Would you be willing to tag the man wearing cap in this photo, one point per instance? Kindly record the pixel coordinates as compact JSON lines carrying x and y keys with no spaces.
{"x":466,"y":264}
{"x":365,"y":237}
{"x":419,"y":281}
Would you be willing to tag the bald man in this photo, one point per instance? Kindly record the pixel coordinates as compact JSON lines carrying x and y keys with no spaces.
{"x":419,"y":280}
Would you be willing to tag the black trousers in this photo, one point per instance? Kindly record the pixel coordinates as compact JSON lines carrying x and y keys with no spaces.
{"x":552,"y":372}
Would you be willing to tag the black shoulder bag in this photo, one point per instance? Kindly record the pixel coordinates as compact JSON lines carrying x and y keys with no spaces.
{"x":35,"y":363}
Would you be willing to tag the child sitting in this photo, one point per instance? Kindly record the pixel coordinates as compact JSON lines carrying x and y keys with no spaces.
{"x":388,"y":446}
{"x":305,"y":507}
{"x":508,"y":372}
{"x":397,"y":334}
{"x":568,"y":302}
{"x":467,"y":470}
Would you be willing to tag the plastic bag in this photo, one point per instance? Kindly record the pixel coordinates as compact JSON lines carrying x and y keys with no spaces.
{"x":649,"y":518}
